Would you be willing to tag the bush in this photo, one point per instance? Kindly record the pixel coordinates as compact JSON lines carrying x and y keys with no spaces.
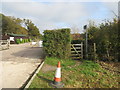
{"x":56,"y":43}
{"x":22,"y":41}
{"x":29,"y":40}
{"x":25,"y":40}
{"x":17,"y":41}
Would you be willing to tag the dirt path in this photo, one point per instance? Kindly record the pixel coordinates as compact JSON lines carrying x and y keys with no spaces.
{"x":17,"y":63}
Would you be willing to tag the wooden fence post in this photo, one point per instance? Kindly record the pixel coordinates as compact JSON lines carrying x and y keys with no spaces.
{"x":82,"y":50}
{"x":8,"y":43}
{"x":95,"y":57}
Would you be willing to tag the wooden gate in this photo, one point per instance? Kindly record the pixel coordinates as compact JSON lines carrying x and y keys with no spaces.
{"x":4,"y":44}
{"x":77,"y":51}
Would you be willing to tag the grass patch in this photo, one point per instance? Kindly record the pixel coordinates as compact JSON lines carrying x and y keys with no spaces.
{"x":77,"y":75}
{"x":64,"y":63}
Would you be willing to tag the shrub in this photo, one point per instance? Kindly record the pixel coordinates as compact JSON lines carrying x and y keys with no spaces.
{"x":25,"y":40}
{"x":17,"y":41}
{"x":29,"y":40}
{"x":56,"y":43}
{"x":22,"y":41}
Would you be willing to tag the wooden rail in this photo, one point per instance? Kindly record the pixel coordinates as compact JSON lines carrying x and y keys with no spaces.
{"x":77,"y":51}
{"x":4,"y":44}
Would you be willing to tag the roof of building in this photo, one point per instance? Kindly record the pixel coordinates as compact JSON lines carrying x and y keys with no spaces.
{"x":20,"y":35}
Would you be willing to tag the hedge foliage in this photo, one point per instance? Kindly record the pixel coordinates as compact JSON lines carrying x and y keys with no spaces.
{"x":106,"y":38}
{"x":56,"y":43}
{"x":18,"y":41}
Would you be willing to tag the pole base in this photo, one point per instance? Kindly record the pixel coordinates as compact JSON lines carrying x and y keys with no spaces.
{"x":56,"y":84}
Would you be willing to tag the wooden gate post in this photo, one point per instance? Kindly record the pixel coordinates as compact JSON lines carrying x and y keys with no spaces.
{"x":95,"y":52}
{"x":82,"y":50}
{"x":8,"y":43}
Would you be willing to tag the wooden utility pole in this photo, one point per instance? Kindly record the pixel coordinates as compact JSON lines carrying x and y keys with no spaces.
{"x":95,"y":57}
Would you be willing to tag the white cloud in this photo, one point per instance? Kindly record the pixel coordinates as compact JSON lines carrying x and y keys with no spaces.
{"x":113,"y":6}
{"x":109,"y":0}
{"x":60,"y":0}
{"x":16,"y":0}
{"x":46,"y":14}
{"x":56,"y":15}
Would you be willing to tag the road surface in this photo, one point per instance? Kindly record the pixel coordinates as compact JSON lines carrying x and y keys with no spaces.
{"x":18,"y":63}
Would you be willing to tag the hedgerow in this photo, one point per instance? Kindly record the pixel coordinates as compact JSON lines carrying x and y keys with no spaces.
{"x":56,"y":43}
{"x":18,"y":41}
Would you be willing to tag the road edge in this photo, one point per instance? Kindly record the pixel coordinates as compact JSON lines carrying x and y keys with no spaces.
{"x":33,"y":76}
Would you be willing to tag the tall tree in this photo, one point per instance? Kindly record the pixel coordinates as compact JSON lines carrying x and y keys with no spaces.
{"x":33,"y":31}
{"x":12,"y":25}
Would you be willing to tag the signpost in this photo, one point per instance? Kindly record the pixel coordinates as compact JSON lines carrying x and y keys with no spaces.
{"x":86,"y":41}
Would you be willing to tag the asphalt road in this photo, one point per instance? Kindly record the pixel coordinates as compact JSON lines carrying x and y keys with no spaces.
{"x":17,"y":64}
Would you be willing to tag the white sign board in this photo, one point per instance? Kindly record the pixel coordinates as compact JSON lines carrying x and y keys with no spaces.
{"x":11,"y":38}
{"x":40,"y":43}
{"x":33,"y":43}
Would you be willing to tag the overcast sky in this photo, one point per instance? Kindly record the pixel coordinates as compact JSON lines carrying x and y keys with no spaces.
{"x":53,"y":14}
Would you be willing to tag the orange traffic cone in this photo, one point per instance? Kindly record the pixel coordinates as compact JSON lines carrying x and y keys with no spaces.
{"x":57,"y":80}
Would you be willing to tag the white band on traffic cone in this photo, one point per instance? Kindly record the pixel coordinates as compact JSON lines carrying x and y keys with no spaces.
{"x":58,"y":73}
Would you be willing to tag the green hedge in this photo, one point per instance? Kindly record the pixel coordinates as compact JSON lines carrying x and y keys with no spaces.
{"x":29,"y":40}
{"x":18,"y":41}
{"x":25,"y":40}
{"x":22,"y":41}
{"x":56,"y":43}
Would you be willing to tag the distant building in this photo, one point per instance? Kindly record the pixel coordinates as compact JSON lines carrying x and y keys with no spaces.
{"x":13,"y":37}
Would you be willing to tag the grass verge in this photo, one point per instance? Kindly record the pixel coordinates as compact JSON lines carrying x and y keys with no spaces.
{"x":76,"y":74}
